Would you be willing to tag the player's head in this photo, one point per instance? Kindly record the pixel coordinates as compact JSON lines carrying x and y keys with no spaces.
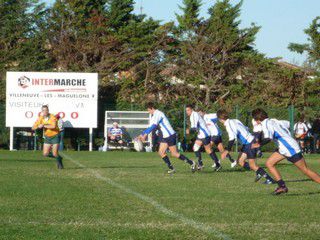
{"x":302,"y":118}
{"x":151,"y":107}
{"x":189,"y":109}
{"x":45,"y":110}
{"x":222,"y":115}
{"x":115,"y":124}
{"x":259,"y":115}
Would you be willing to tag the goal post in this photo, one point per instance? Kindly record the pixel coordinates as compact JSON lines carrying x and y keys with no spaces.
{"x":132,"y":124}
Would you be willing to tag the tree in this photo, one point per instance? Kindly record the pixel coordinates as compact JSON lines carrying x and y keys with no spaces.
{"x":210,"y":59}
{"x":189,"y":19}
{"x":22,"y":38}
{"x":120,"y":13}
{"x":313,"y":47}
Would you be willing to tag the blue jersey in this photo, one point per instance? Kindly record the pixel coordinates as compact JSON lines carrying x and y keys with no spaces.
{"x":276,"y":131}
{"x":198,"y":123}
{"x":236,"y":130}
{"x":159,"y":120}
{"x":115,"y":131}
{"x":212,"y":124}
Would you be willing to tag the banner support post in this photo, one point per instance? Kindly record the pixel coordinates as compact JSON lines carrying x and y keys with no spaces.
{"x":11,"y":138}
{"x":90,"y":139}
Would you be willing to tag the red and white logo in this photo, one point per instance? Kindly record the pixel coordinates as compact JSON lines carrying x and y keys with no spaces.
{"x":24,"y":82}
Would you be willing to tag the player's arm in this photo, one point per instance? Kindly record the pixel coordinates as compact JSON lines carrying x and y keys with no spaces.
{"x":232,"y":134}
{"x":153,"y":125}
{"x":266,"y":137}
{"x":37,"y":125}
{"x":232,"y":138}
{"x":194,"y":118}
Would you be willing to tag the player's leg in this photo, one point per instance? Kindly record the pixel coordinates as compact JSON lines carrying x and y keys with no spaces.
{"x":271,"y":163}
{"x":175,"y":153}
{"x":46,"y":150}
{"x":221,"y":149}
{"x":302,"y":165}
{"x":212,"y":154}
{"x":163,"y":154}
{"x":242,"y":161}
{"x":260,"y":172}
{"x":55,"y":152}
{"x":258,"y":138}
{"x":196,"y":149}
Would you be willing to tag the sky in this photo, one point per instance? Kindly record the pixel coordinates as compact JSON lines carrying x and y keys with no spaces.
{"x":281,"y":21}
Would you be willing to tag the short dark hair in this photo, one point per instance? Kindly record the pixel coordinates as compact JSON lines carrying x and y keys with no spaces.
{"x":259,"y":114}
{"x":45,"y":106}
{"x":150,"y":105}
{"x":222,"y":114}
{"x":189,"y":106}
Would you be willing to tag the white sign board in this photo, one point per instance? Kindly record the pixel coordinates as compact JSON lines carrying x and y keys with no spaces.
{"x":71,"y":95}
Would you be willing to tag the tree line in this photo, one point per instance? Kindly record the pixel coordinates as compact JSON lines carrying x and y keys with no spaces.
{"x":204,"y":61}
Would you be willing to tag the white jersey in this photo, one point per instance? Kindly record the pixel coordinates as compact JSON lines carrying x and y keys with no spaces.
{"x":211,"y":121}
{"x":158,"y":119}
{"x":198,"y":123}
{"x":256,"y":127}
{"x":236,"y":130}
{"x":274,"y":130}
{"x":284,"y":123}
{"x":300,"y":128}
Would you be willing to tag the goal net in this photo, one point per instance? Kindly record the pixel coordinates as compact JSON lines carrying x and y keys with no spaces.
{"x":132,"y":123}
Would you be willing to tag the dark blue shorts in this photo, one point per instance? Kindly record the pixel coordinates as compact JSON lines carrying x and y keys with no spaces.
{"x":295,"y":158}
{"x":251,"y":152}
{"x":205,"y":141}
{"x":216,"y":139}
{"x":171,"y":140}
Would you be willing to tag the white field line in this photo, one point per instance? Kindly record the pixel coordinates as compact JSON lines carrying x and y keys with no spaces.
{"x":187,"y":221}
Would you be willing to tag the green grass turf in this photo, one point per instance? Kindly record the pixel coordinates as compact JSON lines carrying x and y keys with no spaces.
{"x":39,"y":202}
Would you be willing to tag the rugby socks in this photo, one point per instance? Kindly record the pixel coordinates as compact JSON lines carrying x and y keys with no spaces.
{"x":230,"y":158}
{"x":214,"y":157}
{"x":263,"y":173}
{"x":198,"y":155}
{"x":281,"y":183}
{"x":246,"y":166}
{"x":59,"y":162}
{"x":184,"y":158}
{"x":167,"y":161}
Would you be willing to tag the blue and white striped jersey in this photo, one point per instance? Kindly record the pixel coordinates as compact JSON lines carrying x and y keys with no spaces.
{"x":275,"y":130}
{"x":115,"y":131}
{"x":211,"y":120}
{"x":285,"y":124}
{"x":198,"y":123}
{"x":236,"y":130}
{"x":158,"y":119}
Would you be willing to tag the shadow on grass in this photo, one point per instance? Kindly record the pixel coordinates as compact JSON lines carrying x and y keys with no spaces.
{"x":300,"y":180}
{"x":23,"y":160}
{"x":223,"y":171}
{"x":113,"y":167}
{"x":301,"y":194}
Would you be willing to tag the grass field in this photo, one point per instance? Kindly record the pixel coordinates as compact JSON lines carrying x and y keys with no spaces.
{"x":125,"y":195}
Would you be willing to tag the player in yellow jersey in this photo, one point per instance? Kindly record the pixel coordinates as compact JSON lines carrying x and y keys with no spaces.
{"x":49,"y":123}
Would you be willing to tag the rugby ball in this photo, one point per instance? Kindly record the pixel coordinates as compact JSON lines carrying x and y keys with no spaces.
{"x":138,"y":145}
